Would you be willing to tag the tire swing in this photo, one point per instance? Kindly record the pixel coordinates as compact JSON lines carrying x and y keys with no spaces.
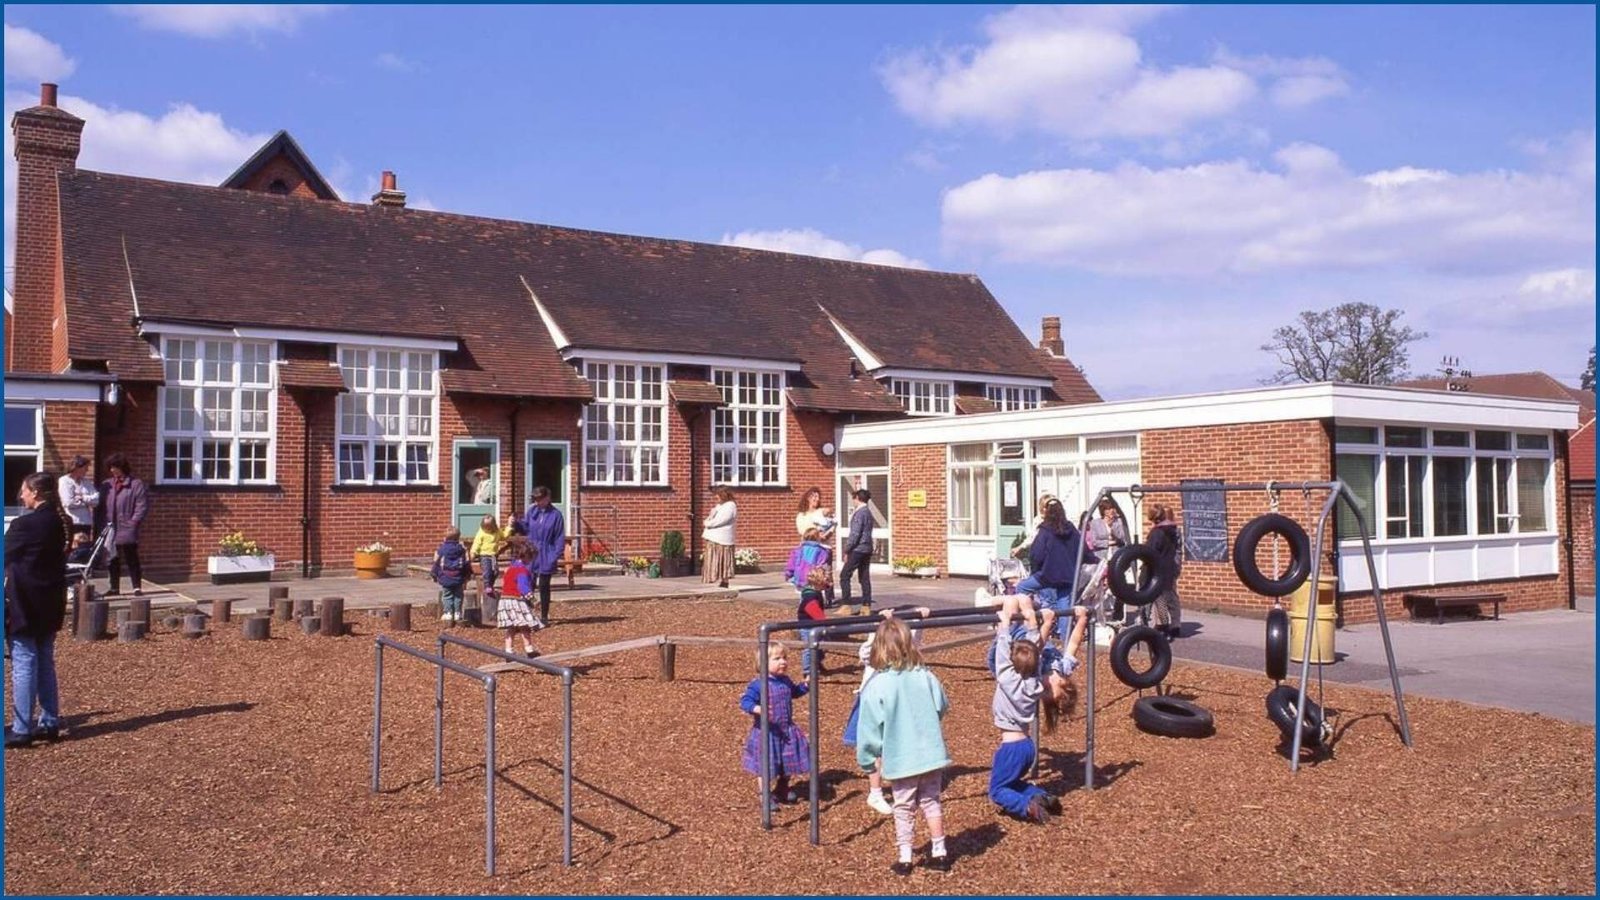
{"x":1151,"y":586}
{"x":1277,"y":643}
{"x":1251,"y":536}
{"x":1172,"y":717}
{"x":1280,"y":709}
{"x":1160,"y":656}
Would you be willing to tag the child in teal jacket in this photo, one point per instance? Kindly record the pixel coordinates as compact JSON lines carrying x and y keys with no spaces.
{"x":901,"y":709}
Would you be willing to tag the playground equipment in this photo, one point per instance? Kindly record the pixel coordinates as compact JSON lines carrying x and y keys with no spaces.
{"x":489,"y":684}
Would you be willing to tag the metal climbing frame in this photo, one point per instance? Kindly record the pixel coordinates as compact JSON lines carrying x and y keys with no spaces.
{"x":489,"y":683}
{"x":1336,"y":490}
{"x":813,"y":633}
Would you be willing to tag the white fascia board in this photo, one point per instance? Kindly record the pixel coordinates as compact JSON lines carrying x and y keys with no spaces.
{"x":26,"y":390}
{"x":938,"y":375}
{"x":556,"y":334}
{"x":682,"y":359}
{"x":1295,"y":402}
{"x":349,"y":338}
{"x":869,"y":360}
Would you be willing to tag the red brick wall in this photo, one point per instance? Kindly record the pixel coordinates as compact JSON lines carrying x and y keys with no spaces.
{"x":923,"y":531}
{"x":45,"y":146}
{"x":280,"y":168}
{"x":1582,"y":500}
{"x":68,"y":431}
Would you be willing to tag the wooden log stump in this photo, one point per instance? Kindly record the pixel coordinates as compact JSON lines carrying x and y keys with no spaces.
{"x":332,"y":616}
{"x":92,"y":624}
{"x":310,"y":624}
{"x":139,"y":610}
{"x":305,"y":606}
{"x":84,"y":594}
{"x":257,"y":628}
{"x":277,"y":592}
{"x":399,"y":617}
{"x":130,"y":631}
{"x":669,"y":661}
{"x":282,"y":608}
{"x":194,"y":625}
{"x":222,"y":610}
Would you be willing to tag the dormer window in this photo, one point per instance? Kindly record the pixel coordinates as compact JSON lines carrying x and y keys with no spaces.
{"x":1006,"y":398}
{"x":922,"y":397}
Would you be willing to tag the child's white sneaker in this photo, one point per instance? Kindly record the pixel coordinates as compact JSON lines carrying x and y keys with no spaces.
{"x":876,"y":801}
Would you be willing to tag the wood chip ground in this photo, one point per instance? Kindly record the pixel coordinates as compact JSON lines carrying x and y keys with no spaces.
{"x":226,"y":766}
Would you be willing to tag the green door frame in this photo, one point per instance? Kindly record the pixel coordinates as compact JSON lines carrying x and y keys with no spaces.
{"x":464,"y":513}
{"x":1011,"y":510}
{"x":560,"y":493}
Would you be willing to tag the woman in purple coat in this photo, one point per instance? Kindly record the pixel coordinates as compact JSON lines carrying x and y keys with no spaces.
{"x":124,"y":502}
{"x":547,"y":534}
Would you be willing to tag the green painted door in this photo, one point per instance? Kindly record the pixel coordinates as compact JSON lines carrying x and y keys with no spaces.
{"x":548,"y":463}
{"x":476,"y":464}
{"x":1011,"y":523}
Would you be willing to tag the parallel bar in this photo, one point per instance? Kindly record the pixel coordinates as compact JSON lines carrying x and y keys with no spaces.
{"x":811,"y":782}
{"x":1383,"y":617}
{"x":491,"y":773}
{"x":1311,"y":623}
{"x":762,"y":724}
{"x":377,"y":714}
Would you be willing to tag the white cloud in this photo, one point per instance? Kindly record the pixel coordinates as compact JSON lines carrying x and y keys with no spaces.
{"x":1557,"y":289}
{"x":206,"y":20}
{"x":1078,"y":72}
{"x":394,"y":62}
{"x":810,"y":242}
{"x":1308,"y":212}
{"x":33,"y":57}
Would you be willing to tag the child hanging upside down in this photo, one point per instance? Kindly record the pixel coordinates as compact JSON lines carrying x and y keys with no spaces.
{"x":1017,"y":694}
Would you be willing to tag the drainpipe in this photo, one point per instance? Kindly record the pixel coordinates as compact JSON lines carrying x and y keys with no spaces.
{"x":305,"y":491}
{"x":1564,"y":447}
{"x":694,"y":494}
{"x":516,"y":407}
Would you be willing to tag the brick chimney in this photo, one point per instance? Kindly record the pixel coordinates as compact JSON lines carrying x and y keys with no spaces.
{"x":46,"y":146}
{"x":389,"y":195}
{"x":1050,"y":336}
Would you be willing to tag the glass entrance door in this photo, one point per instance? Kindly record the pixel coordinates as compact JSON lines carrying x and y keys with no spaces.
{"x":1012,"y":523}
{"x":876,"y":481}
{"x":476,"y":465}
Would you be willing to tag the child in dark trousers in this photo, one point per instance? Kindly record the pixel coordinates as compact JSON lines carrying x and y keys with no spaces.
{"x":1016,"y":702}
{"x":813,"y":603}
{"x":451,"y":570}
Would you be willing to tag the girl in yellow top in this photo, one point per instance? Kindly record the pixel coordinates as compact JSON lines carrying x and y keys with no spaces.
{"x":486,"y":546}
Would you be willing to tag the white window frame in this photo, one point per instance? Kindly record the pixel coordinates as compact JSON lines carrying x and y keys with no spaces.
{"x":759,"y":393}
{"x":969,"y":471}
{"x":362,"y":385}
{"x":924,"y":396}
{"x":200,"y":383}
{"x":1011,"y":398}
{"x":33,"y":451}
{"x":623,"y":403}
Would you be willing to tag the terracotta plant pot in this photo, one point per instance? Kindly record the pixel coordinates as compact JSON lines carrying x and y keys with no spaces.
{"x":372,"y":565}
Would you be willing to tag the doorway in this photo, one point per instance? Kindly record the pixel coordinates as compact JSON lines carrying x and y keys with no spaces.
{"x":1011,"y":527}
{"x":476,"y":466}
{"x":878,"y":483}
{"x":549,"y":464}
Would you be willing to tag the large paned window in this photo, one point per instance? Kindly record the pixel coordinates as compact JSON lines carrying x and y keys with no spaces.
{"x":1421,"y":483}
{"x":24,"y":451}
{"x":747,"y":431}
{"x":1006,"y":398}
{"x":624,"y":429}
{"x":389,"y":416}
{"x":216,"y":411}
{"x":971,"y":484}
{"x":924,"y":398}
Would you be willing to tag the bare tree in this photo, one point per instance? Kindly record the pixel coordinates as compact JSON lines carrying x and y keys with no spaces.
{"x":1586,"y":380}
{"x":1352,"y":342}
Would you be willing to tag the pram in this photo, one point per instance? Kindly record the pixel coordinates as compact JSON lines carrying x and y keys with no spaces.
{"x":80,"y":571}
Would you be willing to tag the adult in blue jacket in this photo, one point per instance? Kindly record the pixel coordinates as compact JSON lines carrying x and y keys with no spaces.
{"x":1054,"y":558}
{"x":547,"y":535}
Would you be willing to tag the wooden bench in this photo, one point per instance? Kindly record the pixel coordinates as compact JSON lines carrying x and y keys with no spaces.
{"x":1442,"y":601}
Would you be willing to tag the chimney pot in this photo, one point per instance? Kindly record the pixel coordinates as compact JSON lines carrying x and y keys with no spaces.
{"x":47,"y":94}
{"x":389,"y":195}
{"x":1050,"y":336}
{"x":388,"y":180}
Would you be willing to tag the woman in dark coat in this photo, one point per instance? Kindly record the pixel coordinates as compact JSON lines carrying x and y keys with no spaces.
{"x":1166,"y":541}
{"x":125,"y":502}
{"x":36,"y":605}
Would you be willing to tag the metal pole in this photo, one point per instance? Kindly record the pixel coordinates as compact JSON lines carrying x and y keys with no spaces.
{"x":761,"y":728}
{"x":377,"y":713}
{"x":438,"y":726}
{"x":1383,"y":617}
{"x":1313,"y":596}
{"x":490,"y":773}
{"x":566,"y":769}
{"x":816,"y":662}
{"x":1093,"y":628}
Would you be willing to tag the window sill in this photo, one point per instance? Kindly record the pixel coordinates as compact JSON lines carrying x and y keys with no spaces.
{"x":662,"y":488}
{"x":386,"y":489}
{"x":178,"y":487}
{"x":1451,"y":540}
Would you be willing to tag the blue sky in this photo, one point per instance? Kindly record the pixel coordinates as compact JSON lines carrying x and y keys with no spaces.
{"x":1173,"y":182}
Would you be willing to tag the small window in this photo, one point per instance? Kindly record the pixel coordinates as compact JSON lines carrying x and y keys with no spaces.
{"x":863,"y":459}
{"x":1355,"y":434}
{"x":970,"y":453}
{"x":1404,"y":437}
{"x":1533,"y":442}
{"x":278,"y":186}
{"x":1452,"y":439}
{"x":1494,"y":440}
{"x":22,"y":426}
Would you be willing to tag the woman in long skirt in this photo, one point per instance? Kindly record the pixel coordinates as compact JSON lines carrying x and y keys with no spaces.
{"x":718,"y":535}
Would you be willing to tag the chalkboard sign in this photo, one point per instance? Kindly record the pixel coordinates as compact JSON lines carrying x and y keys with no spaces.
{"x":1205,"y":521}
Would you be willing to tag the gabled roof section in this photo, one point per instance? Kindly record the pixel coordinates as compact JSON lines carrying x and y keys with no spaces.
{"x":277,"y":153}
{"x":1580,"y":450}
{"x":1072,"y":386}
{"x":1533,"y":385}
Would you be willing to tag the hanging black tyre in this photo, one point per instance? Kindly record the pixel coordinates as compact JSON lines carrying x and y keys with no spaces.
{"x":1277,"y":644}
{"x":1280,"y":709}
{"x":1244,"y":555}
{"x":1155,"y":644}
{"x":1172,"y":717}
{"x":1150,"y":585}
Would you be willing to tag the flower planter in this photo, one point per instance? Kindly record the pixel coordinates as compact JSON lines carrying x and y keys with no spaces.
{"x":675,"y":567}
{"x":926,"y":572}
{"x":236,"y":569}
{"x":902,"y":570}
{"x":372,"y":565}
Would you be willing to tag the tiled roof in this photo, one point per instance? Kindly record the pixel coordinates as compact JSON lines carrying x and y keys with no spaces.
{"x":1580,"y":446}
{"x":970,"y":406}
{"x":215,"y":256}
{"x":1071,"y":385}
{"x":310,"y":373}
{"x":695,"y":392}
{"x":1533,"y":385}
{"x":282,"y":144}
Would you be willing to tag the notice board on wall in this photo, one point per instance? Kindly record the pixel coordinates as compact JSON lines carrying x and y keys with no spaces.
{"x":1205,"y":521}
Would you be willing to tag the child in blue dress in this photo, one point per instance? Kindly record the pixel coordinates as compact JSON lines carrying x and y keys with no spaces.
{"x":789,"y":751}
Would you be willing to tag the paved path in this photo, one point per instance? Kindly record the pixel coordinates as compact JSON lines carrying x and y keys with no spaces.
{"x":1539,"y":662}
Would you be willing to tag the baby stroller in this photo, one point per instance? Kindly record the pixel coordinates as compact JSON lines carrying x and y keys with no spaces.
{"x":999,"y":571}
{"x":79,"y":571}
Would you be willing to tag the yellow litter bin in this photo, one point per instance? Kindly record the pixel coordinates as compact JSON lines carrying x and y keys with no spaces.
{"x":1322,"y":645}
